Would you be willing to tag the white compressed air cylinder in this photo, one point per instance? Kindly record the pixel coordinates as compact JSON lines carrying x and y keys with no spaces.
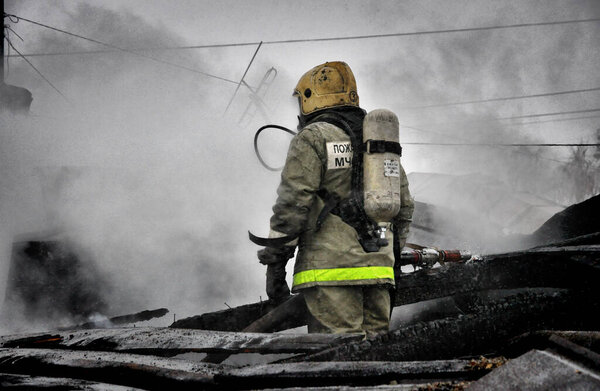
{"x":381,"y":171}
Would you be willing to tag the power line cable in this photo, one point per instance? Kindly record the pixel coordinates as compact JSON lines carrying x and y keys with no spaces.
{"x":38,"y":72}
{"x":7,"y":31}
{"x":497,"y":27}
{"x":549,"y":114}
{"x":556,"y":120}
{"x":508,"y":145}
{"x":485,"y":28}
{"x":400,"y":108}
{"x":461,"y":138}
{"x":512,"y":118}
{"x":73,"y":53}
{"x":122,"y":49}
{"x":306,"y":40}
{"x":500,"y":99}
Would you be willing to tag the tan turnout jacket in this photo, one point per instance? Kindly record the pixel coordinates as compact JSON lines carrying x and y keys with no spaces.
{"x":320,"y":157}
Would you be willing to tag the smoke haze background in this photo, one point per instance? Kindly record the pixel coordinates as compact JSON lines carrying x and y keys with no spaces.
{"x":161,"y":187}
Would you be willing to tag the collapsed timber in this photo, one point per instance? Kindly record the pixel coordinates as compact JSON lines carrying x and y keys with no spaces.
{"x":519,"y":320}
{"x":500,"y":303}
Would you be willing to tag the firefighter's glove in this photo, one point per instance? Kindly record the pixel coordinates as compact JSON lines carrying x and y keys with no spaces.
{"x":270,"y":255}
{"x":277,"y":287}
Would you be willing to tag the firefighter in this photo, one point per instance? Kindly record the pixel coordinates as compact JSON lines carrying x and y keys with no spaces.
{"x":346,"y":283}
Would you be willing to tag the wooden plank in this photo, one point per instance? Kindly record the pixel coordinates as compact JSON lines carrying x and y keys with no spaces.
{"x":26,"y":382}
{"x":292,"y":311}
{"x":540,"y":370}
{"x":323,"y":374}
{"x":120,"y":320}
{"x":580,"y":346}
{"x":562,"y":267}
{"x":482,"y":332}
{"x":233,"y":319}
{"x":169,"y":342}
{"x":145,"y":372}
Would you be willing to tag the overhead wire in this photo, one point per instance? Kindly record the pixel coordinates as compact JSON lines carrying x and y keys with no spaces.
{"x":16,"y":18}
{"x":509,"y":144}
{"x":487,"y":120}
{"x":8,"y":30}
{"x":307,"y":40}
{"x":500,"y":99}
{"x":549,"y":114}
{"x":37,"y":71}
{"x":117,"y":48}
{"x":430,"y":32}
{"x":556,"y":120}
{"x":464,"y":143}
{"x":6,"y":36}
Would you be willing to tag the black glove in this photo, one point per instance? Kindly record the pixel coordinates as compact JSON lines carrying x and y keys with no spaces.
{"x":277,"y":287}
{"x":269,"y":255}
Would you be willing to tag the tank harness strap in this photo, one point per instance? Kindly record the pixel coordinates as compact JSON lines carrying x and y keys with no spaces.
{"x":381,"y":146}
{"x":350,"y":213}
{"x":397,"y":248}
{"x":331,"y":201}
{"x":351,"y":209}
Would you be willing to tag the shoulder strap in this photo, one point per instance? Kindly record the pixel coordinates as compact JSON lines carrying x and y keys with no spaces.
{"x":351,"y":210}
{"x":381,"y":146}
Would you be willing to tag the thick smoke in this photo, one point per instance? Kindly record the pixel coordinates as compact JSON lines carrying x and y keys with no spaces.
{"x":469,"y":66}
{"x":140,"y":167}
{"x":136,"y":170}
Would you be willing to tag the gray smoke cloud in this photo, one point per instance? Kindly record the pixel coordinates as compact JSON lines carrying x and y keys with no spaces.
{"x":136,"y":170}
{"x":499,"y":63}
{"x":163,"y":187}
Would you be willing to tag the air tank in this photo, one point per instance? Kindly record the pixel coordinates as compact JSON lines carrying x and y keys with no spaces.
{"x":381,"y":170}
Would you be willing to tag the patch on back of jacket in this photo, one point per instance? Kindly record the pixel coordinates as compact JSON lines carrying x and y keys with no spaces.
{"x":339,"y":155}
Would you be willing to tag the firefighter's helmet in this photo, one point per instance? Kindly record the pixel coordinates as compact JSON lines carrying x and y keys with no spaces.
{"x":327,"y":85}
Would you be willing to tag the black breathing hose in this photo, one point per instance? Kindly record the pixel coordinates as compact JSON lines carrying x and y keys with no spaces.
{"x":256,"y":144}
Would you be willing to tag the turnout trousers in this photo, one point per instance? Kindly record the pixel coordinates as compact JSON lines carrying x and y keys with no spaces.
{"x":348,"y":309}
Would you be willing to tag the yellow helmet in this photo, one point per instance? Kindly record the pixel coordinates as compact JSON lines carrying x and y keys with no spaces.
{"x":327,"y":85}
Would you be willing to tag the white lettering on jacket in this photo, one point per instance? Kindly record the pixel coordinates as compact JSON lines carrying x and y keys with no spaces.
{"x":339,"y":155}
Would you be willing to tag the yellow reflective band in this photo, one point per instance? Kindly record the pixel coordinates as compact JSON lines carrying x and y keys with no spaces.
{"x":344,"y":274}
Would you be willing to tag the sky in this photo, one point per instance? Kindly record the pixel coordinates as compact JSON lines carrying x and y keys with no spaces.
{"x":161,"y":180}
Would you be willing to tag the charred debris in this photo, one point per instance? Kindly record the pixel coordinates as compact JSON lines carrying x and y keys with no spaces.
{"x":518,"y":320}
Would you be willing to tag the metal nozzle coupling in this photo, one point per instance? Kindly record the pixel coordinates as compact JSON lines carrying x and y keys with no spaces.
{"x":382,"y":231}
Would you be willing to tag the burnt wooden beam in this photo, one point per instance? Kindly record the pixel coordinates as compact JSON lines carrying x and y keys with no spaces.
{"x":561,"y":267}
{"x":485,"y":331}
{"x":452,"y":306}
{"x":251,"y":317}
{"x":585,"y":345}
{"x":233,"y":319}
{"x":588,"y":239}
{"x":323,"y":374}
{"x":540,"y":370}
{"x":145,"y":372}
{"x":26,"y":382}
{"x":169,"y":342}
{"x":292,"y":313}
{"x":121,"y":320}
